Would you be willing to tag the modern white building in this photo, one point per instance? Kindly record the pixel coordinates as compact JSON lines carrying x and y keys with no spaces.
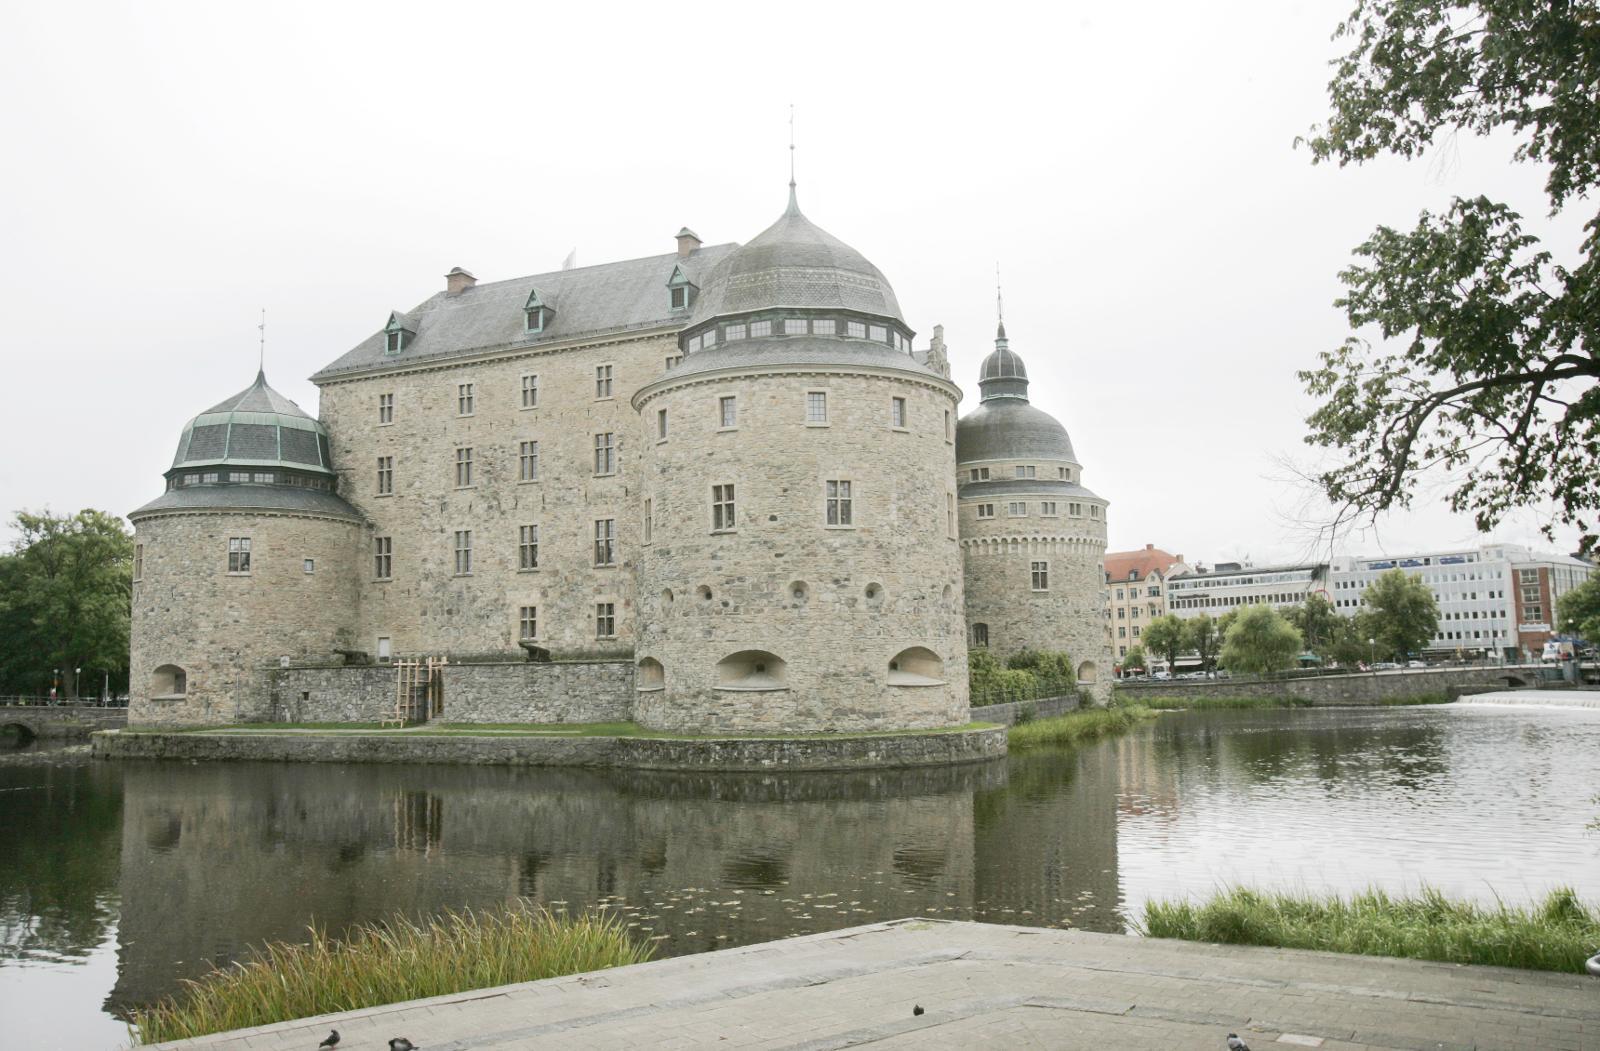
{"x":1230,"y":585}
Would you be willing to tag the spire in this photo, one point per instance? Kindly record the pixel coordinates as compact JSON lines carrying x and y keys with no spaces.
{"x":1000,"y":311}
{"x":794,"y":202}
{"x":261,"y":364}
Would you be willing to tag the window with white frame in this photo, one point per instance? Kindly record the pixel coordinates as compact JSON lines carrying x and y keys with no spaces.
{"x":1040,"y":572}
{"x":816,"y":407}
{"x":528,"y":461}
{"x":985,"y":510}
{"x":239,"y":554}
{"x":727,"y":411}
{"x":722,"y":508}
{"x":528,"y":547}
{"x":605,"y":541}
{"x":857,"y":329}
{"x":605,"y":620}
{"x":383,"y":557}
{"x":878,"y":334}
{"x":760,"y":328}
{"x":530,"y":391}
{"x":733,"y":332}
{"x":602,"y":381}
{"x":466,"y":401}
{"x":463,"y":552}
{"x":1017,"y":509}
{"x":528,"y":622}
{"x":897,"y":413}
{"x":605,"y":453}
{"x":463,"y":466}
{"x":840,"y":502}
{"x":386,"y":476}
{"x":794,"y":326}
{"x":822,"y":327}
{"x":385,"y":408}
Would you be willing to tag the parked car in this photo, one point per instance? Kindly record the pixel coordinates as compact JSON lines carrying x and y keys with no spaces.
{"x":1385,"y":666}
{"x":1416,"y":664}
{"x":1162,"y":676}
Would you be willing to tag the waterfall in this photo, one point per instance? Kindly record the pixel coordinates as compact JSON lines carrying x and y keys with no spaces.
{"x":1537,"y":698}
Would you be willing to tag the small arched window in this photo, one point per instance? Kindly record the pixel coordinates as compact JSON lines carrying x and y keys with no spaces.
{"x":917,"y":666}
{"x":652,"y":675}
{"x":169,"y":680}
{"x":1087,"y":672}
{"x":752,"y":670}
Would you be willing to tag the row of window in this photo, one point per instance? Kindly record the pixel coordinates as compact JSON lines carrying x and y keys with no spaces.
{"x":1133,"y":612}
{"x":1151,"y":591}
{"x":605,"y":621}
{"x":737,"y":330}
{"x":1047,"y":509}
{"x":299,"y":481}
{"x":816,"y":415}
{"x":467,"y":393}
{"x":1205,"y":602}
{"x":981,"y":474}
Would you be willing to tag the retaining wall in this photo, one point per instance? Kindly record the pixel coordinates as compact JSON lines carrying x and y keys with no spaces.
{"x":641,"y":753}
{"x":1337,"y":689}
{"x":1043,"y":708}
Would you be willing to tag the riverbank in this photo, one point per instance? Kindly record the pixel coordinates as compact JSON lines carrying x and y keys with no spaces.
{"x":1210,"y":703}
{"x":559,"y":747}
{"x":1078,"y":727}
{"x":1557,"y":934}
{"x":983,"y":984}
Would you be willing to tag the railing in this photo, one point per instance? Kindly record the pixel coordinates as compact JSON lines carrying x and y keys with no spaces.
{"x":1222,"y":674}
{"x":62,"y":702}
{"x":1008,"y":694}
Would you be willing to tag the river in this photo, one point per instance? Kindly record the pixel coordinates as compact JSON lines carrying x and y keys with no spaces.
{"x":119,"y":879}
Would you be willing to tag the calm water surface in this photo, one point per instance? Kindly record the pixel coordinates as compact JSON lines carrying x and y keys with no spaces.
{"x":117,"y":880}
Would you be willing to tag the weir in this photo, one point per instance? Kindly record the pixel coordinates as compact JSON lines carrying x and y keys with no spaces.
{"x":1538,"y":698}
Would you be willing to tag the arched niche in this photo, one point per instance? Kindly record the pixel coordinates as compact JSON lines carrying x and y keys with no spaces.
{"x":916,"y":666}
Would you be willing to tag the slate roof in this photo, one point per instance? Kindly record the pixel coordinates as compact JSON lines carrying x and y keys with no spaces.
{"x":1011,"y":429}
{"x":583,"y":301}
{"x":1054,"y":488}
{"x":797,"y":350}
{"x":258,"y":397}
{"x":250,"y":498}
{"x":258,"y":427}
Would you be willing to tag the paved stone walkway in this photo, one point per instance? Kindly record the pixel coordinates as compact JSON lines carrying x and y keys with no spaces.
{"x":984,"y":985}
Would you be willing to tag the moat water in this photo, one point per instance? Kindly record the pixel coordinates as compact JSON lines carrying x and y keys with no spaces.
{"x":119,"y":879}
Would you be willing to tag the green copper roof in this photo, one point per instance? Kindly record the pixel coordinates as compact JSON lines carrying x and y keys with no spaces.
{"x":258,"y":427}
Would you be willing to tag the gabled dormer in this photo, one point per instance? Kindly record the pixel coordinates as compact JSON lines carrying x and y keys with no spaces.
{"x":681,"y":291}
{"x":399,"y":333}
{"x":536,"y":313}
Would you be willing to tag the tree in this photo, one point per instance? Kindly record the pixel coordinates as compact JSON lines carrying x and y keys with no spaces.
{"x":1579,"y":611}
{"x":1166,"y":636}
{"x":65,"y":593}
{"x":1497,"y":375}
{"x":1404,"y":614}
{"x":1203,"y":637}
{"x":1316,"y":620}
{"x":1260,"y":641}
{"x":1348,"y":645}
{"x":1134,"y":661}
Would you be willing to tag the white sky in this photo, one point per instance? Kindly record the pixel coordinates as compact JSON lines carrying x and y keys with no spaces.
{"x":167,"y":169}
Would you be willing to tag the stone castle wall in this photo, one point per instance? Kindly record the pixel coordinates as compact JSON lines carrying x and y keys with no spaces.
{"x":834,"y":606}
{"x":522,"y":692}
{"x":228,"y":631}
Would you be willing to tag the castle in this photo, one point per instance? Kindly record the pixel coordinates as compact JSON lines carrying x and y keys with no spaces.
{"x":724,"y":471}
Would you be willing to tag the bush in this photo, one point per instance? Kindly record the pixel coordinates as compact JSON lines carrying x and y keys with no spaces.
{"x":1076,"y":727}
{"x":1052,"y":666}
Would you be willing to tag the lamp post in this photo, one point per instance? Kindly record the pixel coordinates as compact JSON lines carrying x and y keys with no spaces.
{"x":77,"y":677}
{"x":1372,"y":655}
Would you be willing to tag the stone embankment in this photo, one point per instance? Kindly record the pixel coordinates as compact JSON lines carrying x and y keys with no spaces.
{"x":61,"y":722}
{"x":1356,"y":688}
{"x":636,"y":753}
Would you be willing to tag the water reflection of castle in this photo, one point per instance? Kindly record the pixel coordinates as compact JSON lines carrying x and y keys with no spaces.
{"x":217,"y":858}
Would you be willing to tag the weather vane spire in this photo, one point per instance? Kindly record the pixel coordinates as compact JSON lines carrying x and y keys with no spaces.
{"x":791,"y":145}
{"x":261,"y":365}
{"x":999,"y":303}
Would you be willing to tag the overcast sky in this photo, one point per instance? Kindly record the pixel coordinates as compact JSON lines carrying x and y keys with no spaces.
{"x":1169,"y":258}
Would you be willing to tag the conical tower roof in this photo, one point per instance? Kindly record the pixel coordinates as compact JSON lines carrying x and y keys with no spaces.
{"x":1005,"y":426}
{"x":258,"y":427}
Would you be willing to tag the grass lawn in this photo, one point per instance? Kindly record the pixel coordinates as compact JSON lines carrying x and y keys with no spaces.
{"x":445,"y":729}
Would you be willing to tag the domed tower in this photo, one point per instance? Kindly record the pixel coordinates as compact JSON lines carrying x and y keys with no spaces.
{"x":800,"y":569}
{"x":248,"y":557}
{"x":1033,"y":539}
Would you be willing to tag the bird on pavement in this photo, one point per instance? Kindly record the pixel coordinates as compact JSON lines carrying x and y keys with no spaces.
{"x":916,"y":1009}
{"x":400,"y":1043}
{"x":1235,"y":1044}
{"x":332,"y":1041}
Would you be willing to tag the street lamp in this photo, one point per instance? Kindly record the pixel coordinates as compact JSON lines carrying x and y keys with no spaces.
{"x":1372,"y":655}
{"x":77,"y":677}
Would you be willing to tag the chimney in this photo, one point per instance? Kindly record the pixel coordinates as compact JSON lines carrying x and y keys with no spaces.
{"x":458,"y":281}
{"x":1149,"y":547}
{"x":688,"y":241}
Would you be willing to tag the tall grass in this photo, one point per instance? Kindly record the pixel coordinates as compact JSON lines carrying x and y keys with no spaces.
{"x":386,"y":962}
{"x":1074,"y":727}
{"x":1557,"y":934}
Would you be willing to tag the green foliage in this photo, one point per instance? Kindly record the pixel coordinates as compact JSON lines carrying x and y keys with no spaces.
{"x":384,"y":963}
{"x":1203,"y":636}
{"x":1049,"y":666}
{"x":1579,"y":610}
{"x":1168,"y":637}
{"x":1134,"y":661}
{"x":1555,"y":935}
{"x":1260,"y":642}
{"x":1317,"y":622}
{"x":1495,"y":372}
{"x":1348,"y":645}
{"x":65,"y":594}
{"x":1076,"y":727}
{"x":1404,"y":615}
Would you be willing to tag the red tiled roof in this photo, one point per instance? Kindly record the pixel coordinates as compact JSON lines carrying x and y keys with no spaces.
{"x":1145,"y":561}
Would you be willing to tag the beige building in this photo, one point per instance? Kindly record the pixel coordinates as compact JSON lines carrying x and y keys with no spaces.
{"x":1136,"y":594}
{"x":725,"y":465}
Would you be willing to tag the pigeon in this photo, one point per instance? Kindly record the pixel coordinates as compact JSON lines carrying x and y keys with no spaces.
{"x":916,"y":1009}
{"x":332,"y":1041}
{"x":1235,"y":1044}
{"x":400,"y":1043}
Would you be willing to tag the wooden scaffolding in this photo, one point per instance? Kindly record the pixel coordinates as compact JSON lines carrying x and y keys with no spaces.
{"x":418,"y":691}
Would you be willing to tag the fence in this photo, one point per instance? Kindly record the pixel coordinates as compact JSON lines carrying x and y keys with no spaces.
{"x":62,"y":702}
{"x":1041,"y":689}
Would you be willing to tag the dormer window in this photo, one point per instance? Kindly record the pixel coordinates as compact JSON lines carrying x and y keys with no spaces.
{"x":398,"y":333}
{"x":680,"y":290}
{"x":536,"y":313}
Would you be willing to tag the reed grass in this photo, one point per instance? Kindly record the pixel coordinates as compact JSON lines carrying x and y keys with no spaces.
{"x":386,"y":962}
{"x":1557,"y":934}
{"x":1077,"y":727}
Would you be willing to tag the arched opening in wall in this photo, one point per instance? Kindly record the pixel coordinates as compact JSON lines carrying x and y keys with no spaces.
{"x":1087,"y":672}
{"x":666,"y":597}
{"x":874,"y":593}
{"x":703,"y":592}
{"x":948,"y":593}
{"x":752,"y":670}
{"x":980,"y":636}
{"x":917,"y":666}
{"x":169,"y":680}
{"x":652,"y":675}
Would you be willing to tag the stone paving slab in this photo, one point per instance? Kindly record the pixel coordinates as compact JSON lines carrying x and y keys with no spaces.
{"x":984,"y":984}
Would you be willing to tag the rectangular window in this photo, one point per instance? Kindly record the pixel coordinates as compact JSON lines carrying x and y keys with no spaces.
{"x":679,"y":297}
{"x":463,"y":467}
{"x":1047,"y":508}
{"x":309,"y":565}
{"x":383,"y":557}
{"x":1094,"y":510}
{"x":721,"y":508}
{"x":816,"y":406}
{"x":528,"y":622}
{"x":463,"y":552}
{"x":138,"y":562}
{"x":794,"y":327}
{"x":985,"y":510}
{"x":528,"y":547}
{"x":239,"y":554}
{"x":527,"y":461}
{"x":674,"y":361}
{"x":263,"y":477}
{"x":857,"y":329}
{"x":897,"y":413}
{"x":385,"y":475}
{"x":878,"y":334}
{"x":1075,"y":510}
{"x":950,"y":515}
{"x":980,"y":635}
{"x":733,"y":332}
{"x":233,"y":476}
{"x":948,"y":436}
{"x":980,"y":474}
{"x":605,"y":541}
{"x":1122,"y":633}
{"x":605,"y":620}
{"x":1133,"y":611}
{"x":840,"y":511}
{"x":728,"y":412}
{"x":694,"y":344}
{"x":386,"y":408}
{"x":1026,"y":472}
{"x":602,"y":381}
{"x":605,"y":453}
{"x":760,"y":328}
{"x":1063,"y":474}
{"x":465,"y":401}
{"x":393,"y":344}
{"x":1136,"y":628}
{"x":530,"y":391}
{"x":822,"y":328}
{"x":661,"y":425}
{"x":649,"y":520}
{"x":1017,"y":509}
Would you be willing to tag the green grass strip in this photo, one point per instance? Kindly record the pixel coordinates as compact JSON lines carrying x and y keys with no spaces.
{"x":1557,"y":934}
{"x":444,"y":729}
{"x":383,"y":963}
{"x":1079,"y":726}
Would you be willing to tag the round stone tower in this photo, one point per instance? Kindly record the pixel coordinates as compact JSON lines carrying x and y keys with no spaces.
{"x":800,"y":569}
{"x":1033,"y":539}
{"x":250,"y":556}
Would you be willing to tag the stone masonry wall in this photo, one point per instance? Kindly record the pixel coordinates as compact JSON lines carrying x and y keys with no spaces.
{"x":557,"y":692}
{"x":1337,"y":689}
{"x":228,"y":631}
